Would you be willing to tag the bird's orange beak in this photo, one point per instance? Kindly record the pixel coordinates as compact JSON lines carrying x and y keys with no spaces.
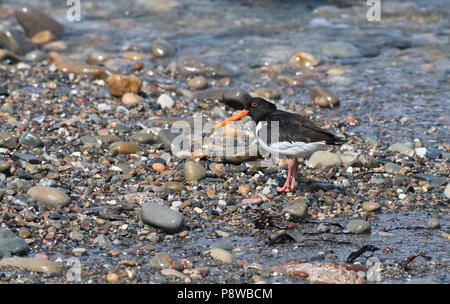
{"x":232,"y":118}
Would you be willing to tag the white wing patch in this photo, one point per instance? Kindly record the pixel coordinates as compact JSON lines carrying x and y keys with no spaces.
{"x":286,"y":149}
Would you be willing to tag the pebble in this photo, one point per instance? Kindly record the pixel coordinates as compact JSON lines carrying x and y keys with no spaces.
{"x":193,"y":171}
{"x":324,"y":159}
{"x":323,"y":228}
{"x":198,"y":83}
{"x":4,"y":166}
{"x":392,"y":168}
{"x":447,"y":191}
{"x":7,"y":140}
{"x":112,"y":277}
{"x":234,"y":97}
{"x":340,"y":50}
{"x":121,"y":84}
{"x":125,"y":147}
{"x":68,"y":66}
{"x":10,"y":243}
{"x":48,"y":196}
{"x":421,"y":152}
{"x":131,"y":99}
{"x":323,"y":97}
{"x":143,"y":138}
{"x":433,"y":223}
{"x":160,"y":261}
{"x":296,"y":209}
{"x":173,"y":272}
{"x":30,"y":139}
{"x":13,"y":41}
{"x":221,"y":255}
{"x":401,"y":148}
{"x":162,"y":217}
{"x":163,"y":49}
{"x":165,"y":101}
{"x":25,"y":157}
{"x":34,"y":21}
{"x":32,"y":264}
{"x":43,"y":37}
{"x":195,"y":66}
{"x":304,"y":60}
{"x":75,"y":235}
{"x":173,"y":186}
{"x":370,"y":206}
{"x":358,"y":226}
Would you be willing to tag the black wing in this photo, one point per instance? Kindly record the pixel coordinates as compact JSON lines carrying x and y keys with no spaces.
{"x":296,"y":128}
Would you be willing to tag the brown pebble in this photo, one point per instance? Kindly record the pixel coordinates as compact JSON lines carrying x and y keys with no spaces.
{"x":112,"y":277}
{"x":158,"y":167}
{"x":43,"y":37}
{"x":121,"y":84}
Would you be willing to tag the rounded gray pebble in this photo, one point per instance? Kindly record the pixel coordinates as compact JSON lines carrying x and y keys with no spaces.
{"x":162,"y":217}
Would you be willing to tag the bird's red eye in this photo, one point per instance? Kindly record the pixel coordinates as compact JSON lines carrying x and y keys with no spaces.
{"x":254,"y":104}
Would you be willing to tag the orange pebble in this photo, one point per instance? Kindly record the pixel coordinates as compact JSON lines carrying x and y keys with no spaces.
{"x":158,"y":167}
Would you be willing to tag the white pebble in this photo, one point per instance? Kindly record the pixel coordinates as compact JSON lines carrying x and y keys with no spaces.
{"x":165,"y":101}
{"x":421,"y":152}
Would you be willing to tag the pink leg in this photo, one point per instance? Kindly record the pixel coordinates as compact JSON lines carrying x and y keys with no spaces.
{"x":285,"y":188}
{"x":294,"y":175}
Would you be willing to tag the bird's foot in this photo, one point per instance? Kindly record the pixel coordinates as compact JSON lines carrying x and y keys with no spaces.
{"x":284,"y":189}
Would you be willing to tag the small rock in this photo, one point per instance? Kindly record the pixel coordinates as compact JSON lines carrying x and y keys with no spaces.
{"x":304,"y":60}
{"x":131,"y":99}
{"x":340,"y":50}
{"x":125,"y":147}
{"x":162,"y":217}
{"x":370,"y":206}
{"x":421,"y":152}
{"x":198,"y":83}
{"x":447,"y":191}
{"x":433,"y":223}
{"x":392,"y":168}
{"x":32,"y":264}
{"x":121,"y":84}
{"x":165,"y":101}
{"x":358,"y":226}
{"x":112,"y":277}
{"x":173,"y":186}
{"x":221,"y":255}
{"x":30,"y":139}
{"x":11,"y":243}
{"x":75,"y":235}
{"x":324,"y":159}
{"x":7,"y":140}
{"x":162,"y":49}
{"x":43,"y":37}
{"x":323,"y":97}
{"x":297,"y":210}
{"x":401,"y":148}
{"x":143,"y":138}
{"x":48,"y":196}
{"x":193,"y":171}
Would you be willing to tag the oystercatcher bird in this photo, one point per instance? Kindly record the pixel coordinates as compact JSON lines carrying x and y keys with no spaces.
{"x":285,"y":134}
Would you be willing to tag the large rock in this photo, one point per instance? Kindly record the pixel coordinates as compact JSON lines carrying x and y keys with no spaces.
{"x":13,"y":41}
{"x":162,"y":217}
{"x":34,"y":21}
{"x":11,"y":243}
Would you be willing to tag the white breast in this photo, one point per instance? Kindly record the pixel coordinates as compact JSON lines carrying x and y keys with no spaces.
{"x":287,"y":149}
